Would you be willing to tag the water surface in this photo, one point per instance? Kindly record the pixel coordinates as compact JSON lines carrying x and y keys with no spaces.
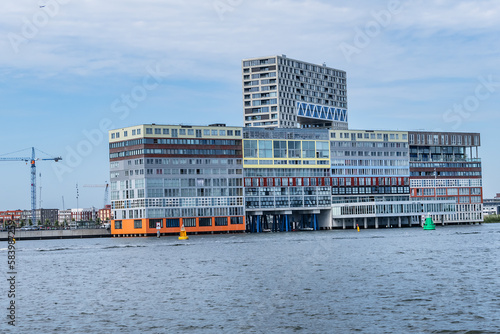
{"x":389,"y":280}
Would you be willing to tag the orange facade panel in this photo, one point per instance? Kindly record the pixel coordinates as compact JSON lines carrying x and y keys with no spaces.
{"x":202,"y":225}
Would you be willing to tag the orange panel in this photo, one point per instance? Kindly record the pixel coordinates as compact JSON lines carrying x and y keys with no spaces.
{"x":128,"y":227}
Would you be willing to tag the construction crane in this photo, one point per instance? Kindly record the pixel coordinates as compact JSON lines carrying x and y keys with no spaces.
{"x":31,"y":160}
{"x":106,"y":190}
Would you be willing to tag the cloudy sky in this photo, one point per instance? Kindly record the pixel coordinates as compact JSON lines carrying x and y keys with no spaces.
{"x":71,"y":69}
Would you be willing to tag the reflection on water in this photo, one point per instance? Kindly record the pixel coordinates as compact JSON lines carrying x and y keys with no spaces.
{"x":373,"y":281}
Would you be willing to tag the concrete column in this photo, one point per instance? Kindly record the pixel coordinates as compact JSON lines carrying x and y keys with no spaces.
{"x":399,"y":221}
{"x":376,"y":222}
{"x":354,"y":223}
{"x":343,"y":223}
{"x":366,"y":222}
{"x":388,"y":222}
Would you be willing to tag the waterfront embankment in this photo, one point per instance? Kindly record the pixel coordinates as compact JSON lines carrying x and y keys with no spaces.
{"x":58,"y":234}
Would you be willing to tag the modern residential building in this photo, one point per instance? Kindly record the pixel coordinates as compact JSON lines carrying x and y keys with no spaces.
{"x":445,"y":166}
{"x":64,"y":217}
{"x":281,"y":92}
{"x":42,"y":216}
{"x":14,"y":215}
{"x":172,"y":175}
{"x":105,"y":215}
{"x":84,"y":214}
{"x":294,"y":165}
{"x":210,"y":177}
{"x":287,"y":178}
{"x":491,"y":206}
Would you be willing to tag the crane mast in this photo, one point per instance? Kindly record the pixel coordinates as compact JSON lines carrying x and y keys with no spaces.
{"x":33,"y":186}
{"x":32,"y":161}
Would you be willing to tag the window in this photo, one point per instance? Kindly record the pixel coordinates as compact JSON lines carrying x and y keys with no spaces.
{"x":236,"y":220}
{"x":118,"y":224}
{"x":138,"y":223}
{"x":220,"y":221}
{"x":152,"y":223}
{"x":476,"y":191}
{"x":294,"y":148}
{"x":476,"y":199}
{"x":172,"y":222}
{"x":205,"y":221}
{"x":182,"y":132}
{"x":189,"y":222}
{"x":250,"y":149}
{"x":149,"y":131}
{"x":133,"y":132}
{"x":125,"y":133}
{"x":308,"y":149}
{"x":166,"y":131}
{"x":463,"y":199}
{"x":265,"y":149}
{"x":157,"y":131}
{"x":279,"y":149}
{"x":322,"y":150}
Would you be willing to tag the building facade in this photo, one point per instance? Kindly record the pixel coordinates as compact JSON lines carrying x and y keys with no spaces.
{"x":281,"y":92}
{"x":64,"y":217}
{"x":491,"y":206}
{"x":169,"y":176}
{"x":287,"y":178}
{"x":84,"y":214}
{"x":445,"y":166}
{"x":14,"y":215}
{"x":42,"y":216}
{"x":221,"y":179}
{"x":105,"y":215}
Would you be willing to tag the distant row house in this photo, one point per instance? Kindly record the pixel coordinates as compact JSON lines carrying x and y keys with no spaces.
{"x":51,"y":216}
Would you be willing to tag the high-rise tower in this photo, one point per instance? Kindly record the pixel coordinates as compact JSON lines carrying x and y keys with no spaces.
{"x":288,"y":93}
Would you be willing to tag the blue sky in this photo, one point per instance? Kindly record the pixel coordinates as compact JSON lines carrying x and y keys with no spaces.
{"x":66,"y":70}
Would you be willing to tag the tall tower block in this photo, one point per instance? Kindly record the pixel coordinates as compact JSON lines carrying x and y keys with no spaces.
{"x":279,"y":92}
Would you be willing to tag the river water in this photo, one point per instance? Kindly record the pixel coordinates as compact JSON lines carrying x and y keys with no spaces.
{"x":389,"y":280}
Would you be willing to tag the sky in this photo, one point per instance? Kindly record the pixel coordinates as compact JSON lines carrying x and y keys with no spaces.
{"x":70,"y":70}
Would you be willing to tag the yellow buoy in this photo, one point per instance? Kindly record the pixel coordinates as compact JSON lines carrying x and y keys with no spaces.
{"x":357,"y":226}
{"x":183,"y":235}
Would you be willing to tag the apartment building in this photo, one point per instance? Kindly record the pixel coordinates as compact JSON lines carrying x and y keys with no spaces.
{"x":281,"y":92}
{"x":230,"y":179}
{"x":173,"y":175}
{"x":445,"y":166}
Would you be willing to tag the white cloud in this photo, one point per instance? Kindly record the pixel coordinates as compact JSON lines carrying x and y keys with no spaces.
{"x":426,"y":59}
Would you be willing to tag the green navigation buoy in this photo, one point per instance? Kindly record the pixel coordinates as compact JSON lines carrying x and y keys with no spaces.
{"x":429,"y":224}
